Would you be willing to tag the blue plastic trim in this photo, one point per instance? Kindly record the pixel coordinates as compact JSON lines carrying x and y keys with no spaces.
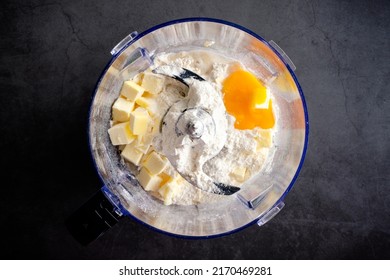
{"x":114,"y":201}
{"x":142,"y":34}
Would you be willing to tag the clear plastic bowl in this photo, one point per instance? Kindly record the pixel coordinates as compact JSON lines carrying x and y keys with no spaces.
{"x":261,"y":197}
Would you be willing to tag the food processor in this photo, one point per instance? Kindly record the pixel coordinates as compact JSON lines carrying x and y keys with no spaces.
{"x":259,"y":199}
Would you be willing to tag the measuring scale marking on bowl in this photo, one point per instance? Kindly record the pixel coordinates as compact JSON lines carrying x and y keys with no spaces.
{"x":243,"y":58}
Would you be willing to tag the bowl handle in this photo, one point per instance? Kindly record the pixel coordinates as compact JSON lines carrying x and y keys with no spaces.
{"x":95,"y":217}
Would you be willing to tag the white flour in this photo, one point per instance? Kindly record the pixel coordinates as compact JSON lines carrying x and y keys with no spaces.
{"x":214,"y":156}
{"x":204,"y":108}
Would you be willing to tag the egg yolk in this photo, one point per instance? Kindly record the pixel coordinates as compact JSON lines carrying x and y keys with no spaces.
{"x":245,"y":98}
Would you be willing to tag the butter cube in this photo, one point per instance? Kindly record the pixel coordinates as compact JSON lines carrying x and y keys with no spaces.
{"x":153,"y":83}
{"x":165,"y":178}
{"x":138,"y":78}
{"x":120,"y":134}
{"x":148,"y":152}
{"x":148,"y":103}
{"x":139,"y":121}
{"x":149,"y":182}
{"x":264,"y":140}
{"x":156,"y":126}
{"x":145,"y":157}
{"x":171,"y":172}
{"x":121,"y":110}
{"x":143,"y":148}
{"x":155,"y":163}
{"x":131,"y":90}
{"x":131,"y":154}
{"x":144,"y":142}
{"x":167,"y":191}
{"x":239,"y":174}
{"x":147,"y":139}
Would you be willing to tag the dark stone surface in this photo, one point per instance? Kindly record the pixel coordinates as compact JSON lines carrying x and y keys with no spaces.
{"x":52,"y":54}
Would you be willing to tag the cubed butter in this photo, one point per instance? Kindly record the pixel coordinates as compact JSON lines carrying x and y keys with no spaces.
{"x":148,"y":181}
{"x":171,"y":171}
{"x":138,"y":78}
{"x":121,"y":110}
{"x":131,"y":90}
{"x":146,"y":155}
{"x":139,"y":121}
{"x":143,"y":148}
{"x":239,"y":174}
{"x":156,"y":126}
{"x":148,"y":103}
{"x":153,"y":83}
{"x":155,"y":163}
{"x":167,"y":191}
{"x":131,"y":154}
{"x":264,"y":140}
{"x":120,"y":134}
{"x":144,"y":142}
{"x":165,"y":178}
{"x":147,"y":139}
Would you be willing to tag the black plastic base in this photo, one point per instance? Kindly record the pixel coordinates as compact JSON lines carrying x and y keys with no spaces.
{"x":93,"y":219}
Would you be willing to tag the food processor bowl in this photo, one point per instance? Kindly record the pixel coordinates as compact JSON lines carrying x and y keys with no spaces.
{"x":261,"y":197}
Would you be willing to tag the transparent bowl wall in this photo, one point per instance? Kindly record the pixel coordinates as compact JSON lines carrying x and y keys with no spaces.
{"x":259,"y":194}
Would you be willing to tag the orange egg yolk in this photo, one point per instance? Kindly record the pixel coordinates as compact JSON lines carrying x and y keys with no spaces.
{"x":245,"y":98}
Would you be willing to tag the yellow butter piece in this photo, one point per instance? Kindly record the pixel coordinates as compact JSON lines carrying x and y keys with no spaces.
{"x":143,"y":148}
{"x":153,"y":83}
{"x":131,"y":90}
{"x":155,"y":163}
{"x":147,"y":139}
{"x":121,"y":109}
{"x":156,"y":126}
{"x":148,"y":103}
{"x":165,"y":178}
{"x":144,"y":142}
{"x":148,"y":181}
{"x":171,"y":171}
{"x":139,"y":121}
{"x":131,"y":154}
{"x":264,"y":140}
{"x":151,"y":149}
{"x":167,"y":191}
{"x":120,"y":134}
{"x":239,"y":174}
{"x":138,"y":78}
{"x":144,"y":158}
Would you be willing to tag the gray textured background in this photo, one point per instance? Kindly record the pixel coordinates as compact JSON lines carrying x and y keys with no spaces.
{"x":52,"y":54}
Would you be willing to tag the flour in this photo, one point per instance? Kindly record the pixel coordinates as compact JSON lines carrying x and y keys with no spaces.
{"x":222,"y":149}
{"x":203,"y":108}
{"x":239,"y":151}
